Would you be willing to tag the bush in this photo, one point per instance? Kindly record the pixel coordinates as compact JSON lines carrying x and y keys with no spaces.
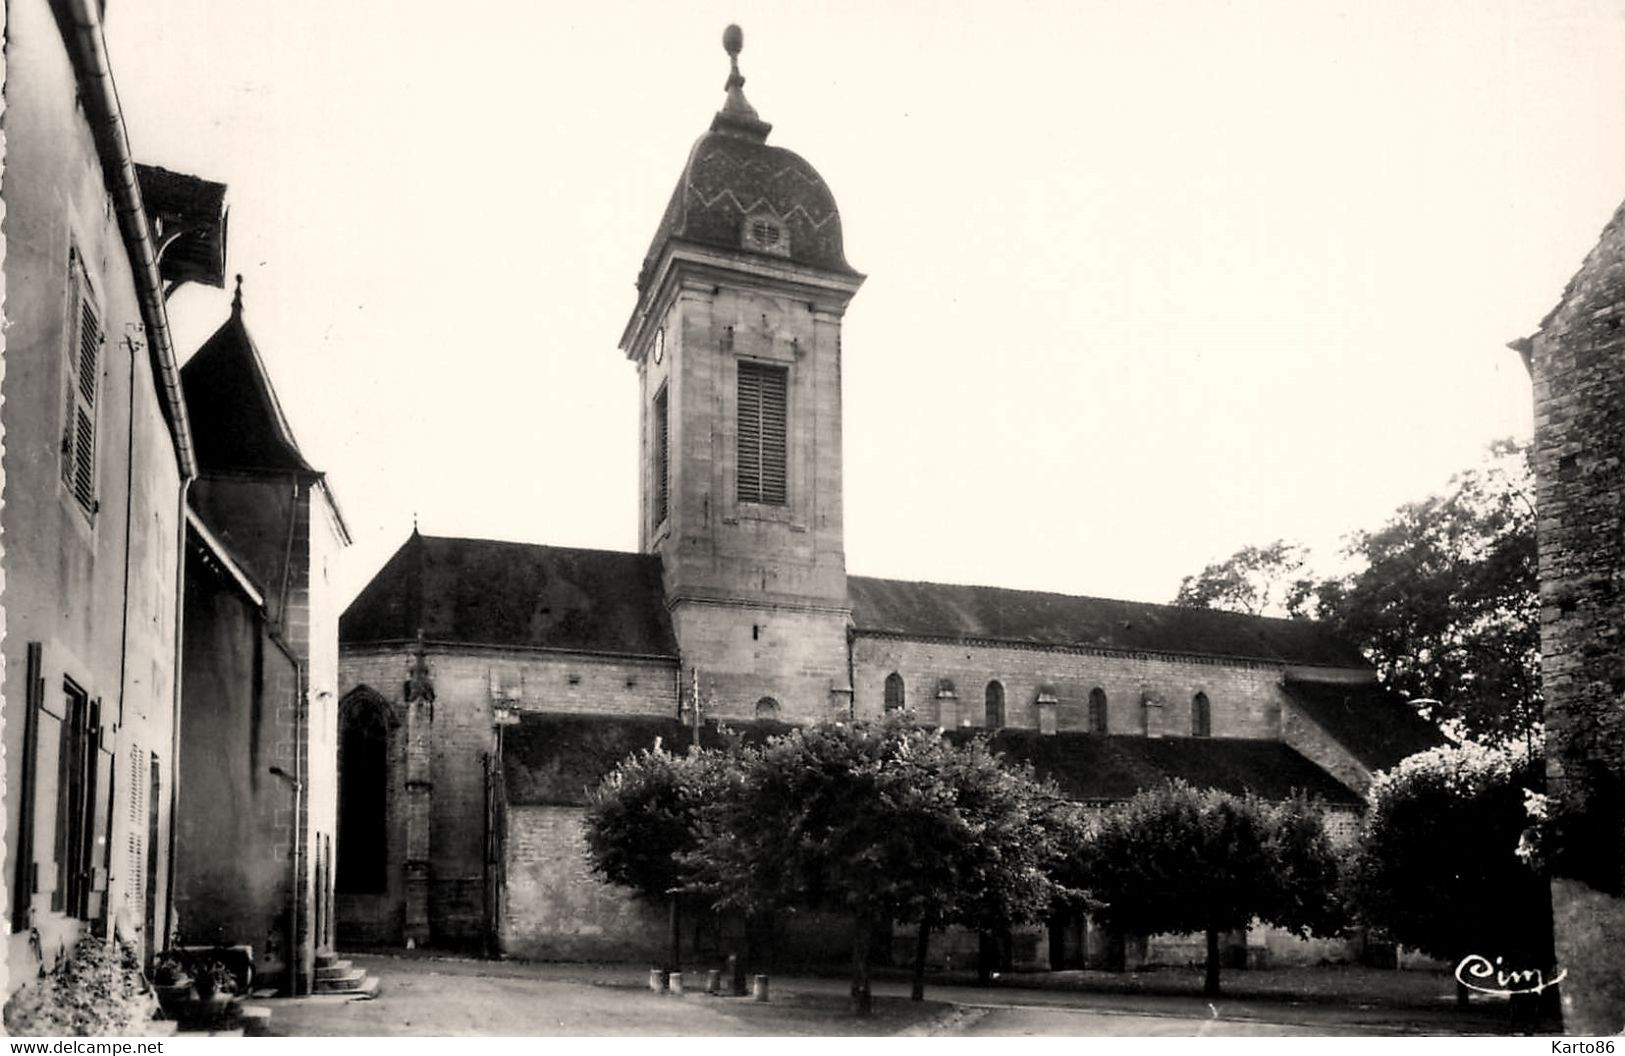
{"x":96,"y":991}
{"x":1437,"y":868}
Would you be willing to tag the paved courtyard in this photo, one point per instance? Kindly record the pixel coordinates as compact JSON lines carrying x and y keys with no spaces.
{"x":444,"y":997}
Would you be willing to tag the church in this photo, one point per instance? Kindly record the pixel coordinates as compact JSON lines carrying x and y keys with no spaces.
{"x":487,"y":686}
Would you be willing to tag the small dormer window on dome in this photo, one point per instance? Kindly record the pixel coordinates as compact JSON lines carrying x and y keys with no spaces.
{"x":766,"y":234}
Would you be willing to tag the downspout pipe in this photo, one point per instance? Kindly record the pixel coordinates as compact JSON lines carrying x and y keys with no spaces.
{"x":81,"y":25}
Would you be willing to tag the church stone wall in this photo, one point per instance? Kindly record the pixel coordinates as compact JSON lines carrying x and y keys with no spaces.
{"x":466,"y":683}
{"x":745,"y":653}
{"x":1310,"y":740}
{"x":555,"y":909}
{"x":1246,"y":699}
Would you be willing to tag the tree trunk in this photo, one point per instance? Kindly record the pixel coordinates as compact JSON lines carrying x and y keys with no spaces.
{"x":1210,"y":985}
{"x":1057,"y":941}
{"x":861,"y":935}
{"x":922,"y":943}
{"x":674,"y":957}
{"x":986,"y":953}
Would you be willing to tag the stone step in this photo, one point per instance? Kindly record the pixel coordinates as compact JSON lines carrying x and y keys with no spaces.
{"x":255,"y":1020}
{"x":367,"y":990}
{"x":332,"y":971}
{"x":351,"y":979}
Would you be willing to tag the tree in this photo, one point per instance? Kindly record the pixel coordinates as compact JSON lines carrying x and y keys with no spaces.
{"x":1260,"y":581}
{"x":1446,"y":604}
{"x":1442,"y":599}
{"x":1437,"y":867}
{"x":881,"y":821}
{"x":1179,"y":859}
{"x":641,"y":822}
{"x":1001,"y":869}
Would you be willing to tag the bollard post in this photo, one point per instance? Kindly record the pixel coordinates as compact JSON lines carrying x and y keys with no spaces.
{"x":758,"y":990}
{"x":676,"y":987}
{"x":657,"y":980}
{"x":713,"y":981}
{"x":736,"y":972}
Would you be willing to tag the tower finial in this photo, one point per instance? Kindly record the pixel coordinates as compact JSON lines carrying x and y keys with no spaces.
{"x":733,"y":42}
{"x":737,"y":115}
{"x":237,"y":297}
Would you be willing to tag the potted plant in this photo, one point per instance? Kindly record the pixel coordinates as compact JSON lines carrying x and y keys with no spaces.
{"x":212,"y":978}
{"x":172,"y":980}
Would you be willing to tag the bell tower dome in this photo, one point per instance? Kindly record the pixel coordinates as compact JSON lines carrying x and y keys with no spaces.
{"x":737,"y":341}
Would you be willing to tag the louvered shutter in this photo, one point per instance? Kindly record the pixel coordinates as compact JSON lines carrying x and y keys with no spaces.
{"x":84,"y":371}
{"x":763,"y":445}
{"x":662,"y":458}
{"x":135,"y":884}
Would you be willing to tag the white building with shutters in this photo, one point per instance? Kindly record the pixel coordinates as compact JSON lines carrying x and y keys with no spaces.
{"x":97,"y":452}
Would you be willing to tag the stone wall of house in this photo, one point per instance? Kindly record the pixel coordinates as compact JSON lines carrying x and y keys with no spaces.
{"x":233,"y":839}
{"x":1245,"y":699}
{"x":1578,"y":365}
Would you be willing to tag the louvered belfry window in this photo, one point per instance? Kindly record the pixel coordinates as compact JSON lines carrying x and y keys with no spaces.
{"x":762,"y":436}
{"x":84,"y":373}
{"x":662,"y":467}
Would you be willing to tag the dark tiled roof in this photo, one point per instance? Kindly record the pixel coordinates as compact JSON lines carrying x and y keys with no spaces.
{"x":961,"y":613}
{"x":555,"y":760}
{"x":1093,"y":768}
{"x":233,"y":408}
{"x":729,"y":176}
{"x":485,"y":592}
{"x":1376,"y":727}
{"x":197,"y":208}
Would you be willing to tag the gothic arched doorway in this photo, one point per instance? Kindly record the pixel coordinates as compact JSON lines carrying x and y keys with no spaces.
{"x":362,"y":872}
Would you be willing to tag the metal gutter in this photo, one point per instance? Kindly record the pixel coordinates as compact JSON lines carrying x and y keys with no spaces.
{"x":81,"y":25}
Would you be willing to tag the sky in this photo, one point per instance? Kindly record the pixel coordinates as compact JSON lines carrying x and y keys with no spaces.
{"x":1147,"y":282}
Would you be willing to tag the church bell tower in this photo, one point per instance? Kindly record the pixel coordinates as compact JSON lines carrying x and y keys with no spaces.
{"x":737,"y":341}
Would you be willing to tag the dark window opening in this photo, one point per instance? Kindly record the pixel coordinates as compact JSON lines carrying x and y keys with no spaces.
{"x":1201,"y":716}
{"x":767,"y":708}
{"x":994,"y":717}
{"x":662,"y":466}
{"x":1097,"y":710}
{"x":363,"y":861}
{"x":76,"y":806}
{"x":762,"y":440}
{"x":894,"y":691}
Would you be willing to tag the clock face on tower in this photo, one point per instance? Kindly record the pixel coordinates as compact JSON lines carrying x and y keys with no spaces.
{"x":660,"y":345}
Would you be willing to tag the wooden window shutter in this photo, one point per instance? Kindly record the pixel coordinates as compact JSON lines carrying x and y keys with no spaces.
{"x":763,"y":441}
{"x":69,"y":764}
{"x":98,"y":846}
{"x":135,"y":869}
{"x":84,"y":373}
{"x":662,"y":467}
{"x":26,"y":881}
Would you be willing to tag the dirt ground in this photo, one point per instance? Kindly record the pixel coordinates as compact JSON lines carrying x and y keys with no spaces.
{"x":423,"y":996}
